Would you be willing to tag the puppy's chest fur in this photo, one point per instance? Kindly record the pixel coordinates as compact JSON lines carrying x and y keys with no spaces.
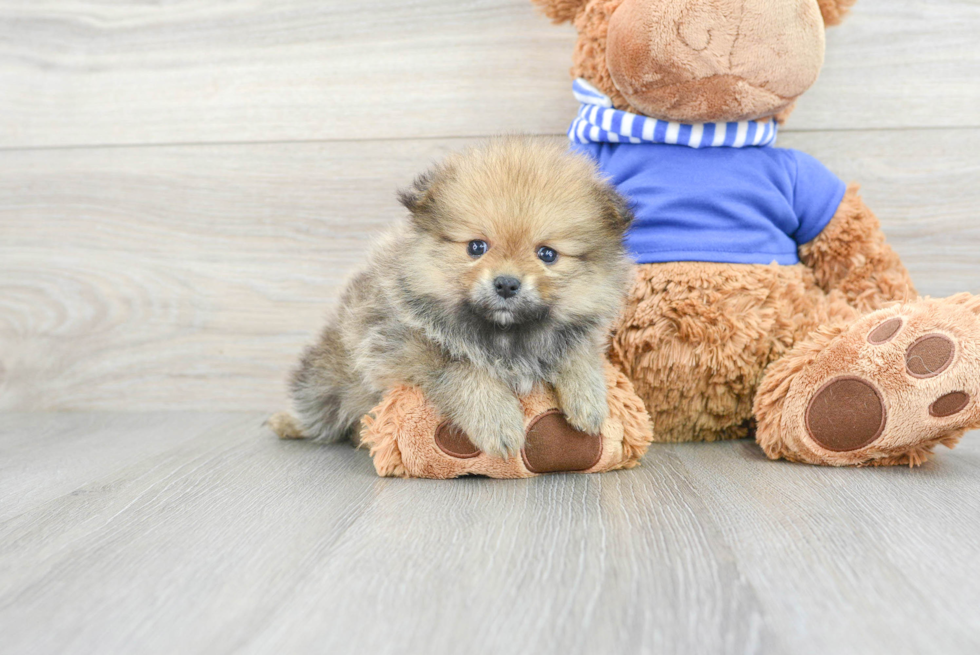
{"x":519,"y":355}
{"x":507,"y":357}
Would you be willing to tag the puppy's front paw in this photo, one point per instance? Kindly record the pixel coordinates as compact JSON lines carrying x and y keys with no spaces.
{"x":501,"y":436}
{"x":584,"y":411}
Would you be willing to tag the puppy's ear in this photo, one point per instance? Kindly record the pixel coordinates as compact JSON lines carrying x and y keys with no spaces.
{"x":560,"y":11}
{"x":421,"y":199}
{"x":616,"y":211}
{"x":416,"y":197}
{"x":833,"y":10}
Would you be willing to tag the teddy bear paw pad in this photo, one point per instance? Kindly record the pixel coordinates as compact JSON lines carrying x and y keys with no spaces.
{"x":885,"y":332}
{"x":454,"y":442}
{"x":950,"y":404}
{"x":553,"y":445}
{"x":847,"y":413}
{"x":929,"y":356}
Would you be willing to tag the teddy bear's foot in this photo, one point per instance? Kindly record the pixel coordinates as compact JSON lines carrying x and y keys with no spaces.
{"x":885,"y":390}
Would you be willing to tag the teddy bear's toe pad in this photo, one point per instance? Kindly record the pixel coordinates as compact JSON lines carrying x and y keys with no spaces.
{"x":846,"y":414}
{"x":929,"y":356}
{"x":553,"y":445}
{"x":454,"y":442}
{"x":950,"y":404}
{"x":885,"y":332}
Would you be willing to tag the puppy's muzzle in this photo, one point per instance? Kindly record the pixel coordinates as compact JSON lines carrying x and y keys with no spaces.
{"x":506,"y":286}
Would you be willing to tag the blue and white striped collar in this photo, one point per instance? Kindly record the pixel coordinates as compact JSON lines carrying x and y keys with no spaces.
{"x":598,"y":122}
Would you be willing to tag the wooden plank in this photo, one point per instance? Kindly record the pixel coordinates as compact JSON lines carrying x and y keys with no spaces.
{"x":619,"y":563}
{"x":294,"y":70}
{"x":891,"y":64}
{"x":81,"y":72}
{"x":191,"y":277}
{"x":43,"y":457}
{"x":250,"y":544}
{"x":852,"y":561}
{"x":188,"y":545}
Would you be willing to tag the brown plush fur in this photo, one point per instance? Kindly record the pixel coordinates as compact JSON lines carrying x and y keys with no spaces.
{"x":714,"y":348}
{"x":850,"y":255}
{"x":719,"y":326}
{"x":561,"y":11}
{"x":698,"y":336}
{"x":725,"y":350}
{"x":428,"y":312}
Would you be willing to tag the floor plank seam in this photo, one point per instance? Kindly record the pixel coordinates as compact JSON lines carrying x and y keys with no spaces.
{"x":430,"y":138}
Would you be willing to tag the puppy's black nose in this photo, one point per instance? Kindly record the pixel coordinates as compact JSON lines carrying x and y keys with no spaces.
{"x":507,"y":286}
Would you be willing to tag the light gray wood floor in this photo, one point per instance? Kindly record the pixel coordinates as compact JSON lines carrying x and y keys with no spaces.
{"x":202,"y":533}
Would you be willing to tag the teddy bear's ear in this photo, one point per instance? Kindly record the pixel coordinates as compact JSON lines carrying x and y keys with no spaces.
{"x":560,"y":11}
{"x":833,"y":10}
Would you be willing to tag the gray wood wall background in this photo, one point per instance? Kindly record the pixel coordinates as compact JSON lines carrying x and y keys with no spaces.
{"x":184,"y":186}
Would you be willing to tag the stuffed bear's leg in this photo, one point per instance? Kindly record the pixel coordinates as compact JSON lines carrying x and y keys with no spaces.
{"x":851,"y":256}
{"x":696,"y":338}
{"x":884,"y":389}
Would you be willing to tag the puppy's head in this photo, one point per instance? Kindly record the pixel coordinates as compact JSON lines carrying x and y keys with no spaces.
{"x":518,"y":232}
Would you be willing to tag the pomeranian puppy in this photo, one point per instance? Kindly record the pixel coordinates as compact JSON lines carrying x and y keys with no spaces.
{"x":508,"y":273}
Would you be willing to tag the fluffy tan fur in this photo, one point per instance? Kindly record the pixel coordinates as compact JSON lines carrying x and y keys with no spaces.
{"x":429,"y":312}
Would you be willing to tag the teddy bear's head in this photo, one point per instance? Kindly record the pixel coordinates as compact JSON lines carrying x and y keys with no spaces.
{"x":696,"y":61}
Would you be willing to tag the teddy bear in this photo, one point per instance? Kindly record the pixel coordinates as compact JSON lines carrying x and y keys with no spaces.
{"x":767,"y":301}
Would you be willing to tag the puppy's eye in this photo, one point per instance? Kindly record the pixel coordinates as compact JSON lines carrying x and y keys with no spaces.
{"x":547,"y":255}
{"x":477,"y":247}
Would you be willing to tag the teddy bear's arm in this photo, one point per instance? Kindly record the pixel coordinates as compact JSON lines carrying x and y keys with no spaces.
{"x":851,"y":255}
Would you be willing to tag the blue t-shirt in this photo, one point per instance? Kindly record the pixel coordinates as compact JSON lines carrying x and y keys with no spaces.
{"x":735,"y":205}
